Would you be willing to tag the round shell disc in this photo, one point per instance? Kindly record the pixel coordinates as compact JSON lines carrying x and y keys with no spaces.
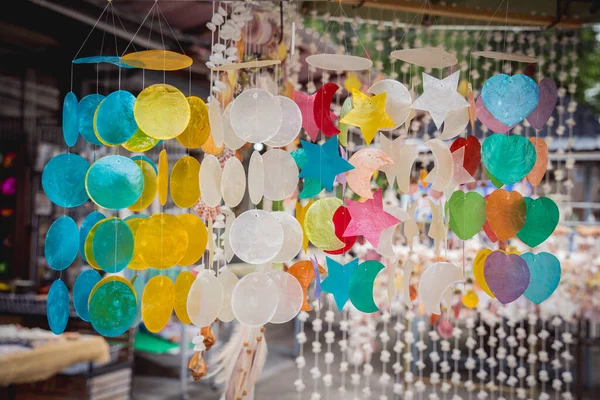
{"x":87,"y":247}
{"x":229,"y":280}
{"x":198,"y":129}
{"x":134,"y":222}
{"x":112,"y":306}
{"x":114,"y":182}
{"x":291,"y":297}
{"x":210,"y":181}
{"x":144,"y":158}
{"x":58,"y":307}
{"x":63,"y":180}
{"x":86,"y":110}
{"x":157,"y":60}
{"x":256,"y":236}
{"x":86,"y":226}
{"x":318,"y":224}
{"x":256,"y":178}
{"x":282,"y":178}
{"x":233,"y":182}
{"x":114,"y":122}
{"x":255,"y":116}
{"x":70,"y":116}
{"x":140,"y":142}
{"x":84,"y":284}
{"x":254,"y":300}
{"x":292,"y":237}
{"x":216,"y":122}
{"x":185,"y":183}
{"x":426,"y":57}
{"x":157,"y":303}
{"x":339,"y":62}
{"x":205,"y":299}
{"x":163,"y":177}
{"x":150,"y":183}
{"x":112,"y":245}
{"x":162,"y":111}
{"x":231,"y":139}
{"x":62,"y":243}
{"x":197,"y":239}
{"x":162,"y":240}
{"x":183,"y":283}
{"x":290,"y":125}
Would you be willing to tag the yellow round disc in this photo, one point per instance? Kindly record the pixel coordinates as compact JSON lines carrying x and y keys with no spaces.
{"x":87,"y":247}
{"x":110,"y":278}
{"x":211,"y":148}
{"x":182,"y":288}
{"x":149,"y":192}
{"x":163,"y":177}
{"x":162,"y":111}
{"x":136,"y":262}
{"x":157,"y":60}
{"x":470,"y":299}
{"x":95,"y":129}
{"x":197,"y":238}
{"x":140,"y":142}
{"x":198,"y":130}
{"x":185,"y":182}
{"x":157,"y":303}
{"x":162,"y":241}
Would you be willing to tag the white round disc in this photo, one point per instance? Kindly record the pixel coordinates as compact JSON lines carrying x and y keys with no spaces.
{"x":292,"y":237}
{"x":229,"y":136}
{"x":397,"y":101}
{"x":339,"y":62}
{"x":255,"y":115}
{"x":233,"y":182}
{"x":216,"y":121}
{"x":228,"y":279}
{"x":256,"y":178}
{"x":256,"y":237}
{"x":210,"y":180}
{"x":290,"y":125}
{"x":290,"y":296}
{"x":281,"y":179}
{"x":205,"y":300}
{"x":254,"y":299}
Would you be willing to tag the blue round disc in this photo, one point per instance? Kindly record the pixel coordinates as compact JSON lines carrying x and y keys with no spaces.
{"x":112,"y":307}
{"x":84,"y":284}
{"x":63,"y":180}
{"x":86,"y":226}
{"x":62,"y":243}
{"x":87,"y":108}
{"x":58,"y":307}
{"x":114,"y":60}
{"x":138,"y":285}
{"x":114,"y":182}
{"x":112,"y":245}
{"x":115,"y":123}
{"x":70,"y":119}
{"x":149,"y":161}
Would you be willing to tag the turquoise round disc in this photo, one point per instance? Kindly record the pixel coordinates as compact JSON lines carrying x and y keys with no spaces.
{"x":112,"y":245}
{"x":63,"y":180}
{"x":58,"y":307}
{"x":70,"y":119}
{"x":149,"y":161}
{"x":62,"y":243}
{"x":84,"y":284}
{"x":87,"y":108}
{"x":115,"y":123}
{"x":112,"y":308}
{"x":86,"y":226}
{"x":114,"y":182}
{"x":115,"y":60}
{"x":138,"y":284}
{"x":133,"y":216}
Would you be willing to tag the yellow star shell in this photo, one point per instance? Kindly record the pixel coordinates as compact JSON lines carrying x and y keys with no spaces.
{"x":300,"y":213}
{"x":368,"y":113}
